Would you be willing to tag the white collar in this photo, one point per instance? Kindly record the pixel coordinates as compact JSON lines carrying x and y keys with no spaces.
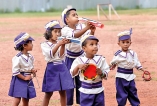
{"x":125,"y":54}
{"x":96,"y":59}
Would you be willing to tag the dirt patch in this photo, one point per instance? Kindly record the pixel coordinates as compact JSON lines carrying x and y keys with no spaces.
{"x":144,"y":40}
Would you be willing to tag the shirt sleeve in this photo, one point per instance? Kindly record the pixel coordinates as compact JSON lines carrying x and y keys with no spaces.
{"x":114,"y":60}
{"x":105,"y":67}
{"x":74,"y":64}
{"x":87,"y":32}
{"x":16,"y":65}
{"x":32,"y":58}
{"x":138,"y":64}
{"x":47,"y":51}
{"x":61,"y":56}
{"x":67,"y":32}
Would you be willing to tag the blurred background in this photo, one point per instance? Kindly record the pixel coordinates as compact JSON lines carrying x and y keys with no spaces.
{"x":51,"y":5}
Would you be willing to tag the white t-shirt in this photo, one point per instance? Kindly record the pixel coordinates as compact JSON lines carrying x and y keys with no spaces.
{"x":22,"y":63}
{"x":100,"y":62}
{"x":69,"y":32}
{"x":47,"y":48}
{"x":127,"y":60}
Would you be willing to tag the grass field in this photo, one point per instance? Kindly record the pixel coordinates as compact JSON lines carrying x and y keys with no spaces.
{"x":81,"y":13}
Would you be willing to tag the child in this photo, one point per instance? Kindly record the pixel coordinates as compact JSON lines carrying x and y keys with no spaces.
{"x":74,"y":30}
{"x":22,"y":68}
{"x":126,"y":59}
{"x":91,"y":92}
{"x":57,"y":77}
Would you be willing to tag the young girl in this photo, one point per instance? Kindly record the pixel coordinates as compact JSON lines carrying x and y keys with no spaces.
{"x":22,"y":68}
{"x":57,"y":77}
{"x":126,"y":59}
{"x":73,"y":29}
{"x":91,"y":91}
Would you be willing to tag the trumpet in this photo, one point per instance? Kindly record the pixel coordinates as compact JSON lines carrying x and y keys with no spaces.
{"x":93,"y":22}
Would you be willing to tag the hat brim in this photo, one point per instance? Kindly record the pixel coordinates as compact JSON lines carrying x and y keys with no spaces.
{"x":30,"y":38}
{"x":124,"y":37}
{"x":92,"y":38}
{"x":57,"y":26}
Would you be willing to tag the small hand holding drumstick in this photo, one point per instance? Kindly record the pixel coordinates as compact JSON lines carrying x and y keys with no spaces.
{"x":100,"y":73}
{"x":112,"y":66}
{"x":81,"y":67}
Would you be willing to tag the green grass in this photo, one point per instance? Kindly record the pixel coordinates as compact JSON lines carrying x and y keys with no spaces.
{"x":80,"y":13}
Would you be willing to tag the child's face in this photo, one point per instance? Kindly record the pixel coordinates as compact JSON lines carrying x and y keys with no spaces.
{"x":55,"y":34}
{"x":72,"y":18}
{"x":124,"y":44}
{"x":91,"y":47}
{"x":28,"y":46}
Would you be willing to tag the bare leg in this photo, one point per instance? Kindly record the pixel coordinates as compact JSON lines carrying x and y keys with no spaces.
{"x":25,"y":101}
{"x":62,"y":98}
{"x":16,"y":101}
{"x":47,"y":98}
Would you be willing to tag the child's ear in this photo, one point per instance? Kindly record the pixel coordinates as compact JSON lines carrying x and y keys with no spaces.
{"x":83,"y":48}
{"x":66,"y":19}
{"x":24,"y":45}
{"x":118,"y":43}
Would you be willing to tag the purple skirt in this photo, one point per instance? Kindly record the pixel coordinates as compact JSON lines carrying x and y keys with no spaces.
{"x":20,"y":88}
{"x":57,"y":78}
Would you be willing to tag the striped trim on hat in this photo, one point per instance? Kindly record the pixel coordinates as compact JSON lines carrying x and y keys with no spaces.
{"x":63,"y":16}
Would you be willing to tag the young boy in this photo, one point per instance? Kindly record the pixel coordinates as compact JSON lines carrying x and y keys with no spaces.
{"x":91,"y":91}
{"x":73,"y":29}
{"x":126,"y":59}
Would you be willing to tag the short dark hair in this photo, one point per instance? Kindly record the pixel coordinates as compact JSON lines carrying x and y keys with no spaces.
{"x":20,"y":47}
{"x":48,"y":33}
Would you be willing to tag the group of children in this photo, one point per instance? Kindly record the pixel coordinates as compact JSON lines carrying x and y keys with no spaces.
{"x":66,"y":59}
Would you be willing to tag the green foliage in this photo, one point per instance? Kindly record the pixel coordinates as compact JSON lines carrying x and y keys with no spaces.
{"x":17,"y":10}
{"x":4,"y":11}
{"x":121,"y":8}
{"x":53,"y":10}
{"x":137,"y":7}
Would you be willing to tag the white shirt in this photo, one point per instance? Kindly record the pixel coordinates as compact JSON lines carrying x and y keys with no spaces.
{"x":127,"y":60}
{"x":22,"y":63}
{"x":47,"y":48}
{"x":69,"y":32}
{"x":100,"y":62}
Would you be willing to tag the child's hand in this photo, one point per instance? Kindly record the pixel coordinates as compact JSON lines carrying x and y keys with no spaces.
{"x":112,"y":66}
{"x":99,"y":72}
{"x":64,"y":41}
{"x":88,"y":25}
{"x":82,"y":66}
{"x":34,"y":70}
{"x":92,"y":28}
{"x":28,"y":77}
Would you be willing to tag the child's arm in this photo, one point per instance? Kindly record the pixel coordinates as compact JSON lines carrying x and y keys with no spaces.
{"x":81,"y":67}
{"x":138,"y":64}
{"x":104,"y":69}
{"x":81,"y":32}
{"x":62,"y":49}
{"x":62,"y":44}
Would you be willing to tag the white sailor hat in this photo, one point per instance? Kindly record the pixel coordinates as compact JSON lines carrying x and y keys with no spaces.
{"x":22,"y":38}
{"x":52,"y":24}
{"x":88,"y":37}
{"x":125,"y":35}
{"x":63,"y":16}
